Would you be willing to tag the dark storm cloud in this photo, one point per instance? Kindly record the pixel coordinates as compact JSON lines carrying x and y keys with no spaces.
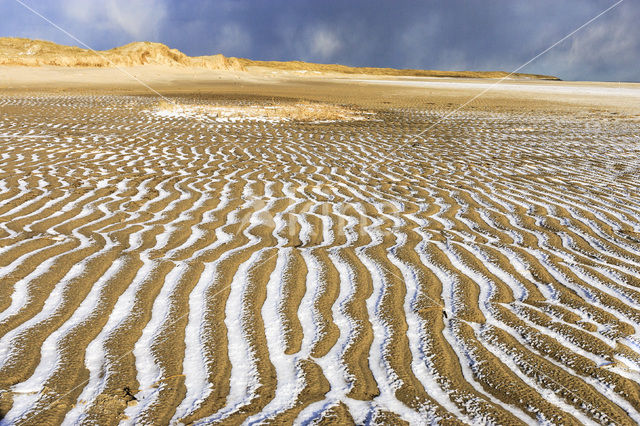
{"x":448,"y":34}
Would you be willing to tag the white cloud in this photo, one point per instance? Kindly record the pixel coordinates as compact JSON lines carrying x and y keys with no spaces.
{"x":323,"y":43}
{"x":605,"y":50}
{"x":233,"y":40}
{"x":139,"y":19}
{"x":315,"y":43}
{"x":604,"y":43}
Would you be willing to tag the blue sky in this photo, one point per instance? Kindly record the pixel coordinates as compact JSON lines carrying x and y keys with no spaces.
{"x":427,"y":34}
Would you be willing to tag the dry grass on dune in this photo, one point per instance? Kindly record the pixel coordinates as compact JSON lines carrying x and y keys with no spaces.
{"x":299,"y":111}
{"x":301,"y":66}
{"x":27,"y":52}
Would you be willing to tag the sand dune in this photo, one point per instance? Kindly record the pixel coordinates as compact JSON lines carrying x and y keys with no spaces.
{"x":27,"y":52}
{"x":305,"y":67}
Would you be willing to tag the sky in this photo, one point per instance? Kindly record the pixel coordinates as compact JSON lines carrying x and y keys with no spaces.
{"x":427,"y":34}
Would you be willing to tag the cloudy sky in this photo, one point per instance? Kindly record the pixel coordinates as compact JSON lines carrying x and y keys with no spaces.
{"x":427,"y":34}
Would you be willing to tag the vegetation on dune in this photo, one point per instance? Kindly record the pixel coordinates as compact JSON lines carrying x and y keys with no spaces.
{"x":344,"y":69}
{"x":28,"y":52}
{"x":24,"y":51}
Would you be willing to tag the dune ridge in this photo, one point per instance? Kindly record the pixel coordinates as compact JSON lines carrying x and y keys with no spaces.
{"x":28,"y":52}
{"x":344,"y":69}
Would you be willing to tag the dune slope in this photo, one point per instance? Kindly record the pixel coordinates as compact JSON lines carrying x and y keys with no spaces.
{"x":22,"y":51}
{"x":27,"y":52}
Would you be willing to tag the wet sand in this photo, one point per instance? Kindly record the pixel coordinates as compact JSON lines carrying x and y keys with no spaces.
{"x":425,"y":264}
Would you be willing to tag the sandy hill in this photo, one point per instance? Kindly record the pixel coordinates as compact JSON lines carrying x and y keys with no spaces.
{"x":308,"y":66}
{"x":22,"y":51}
{"x":28,"y":52}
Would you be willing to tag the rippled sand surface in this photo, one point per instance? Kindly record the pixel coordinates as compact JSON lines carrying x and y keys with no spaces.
{"x":175,"y":268}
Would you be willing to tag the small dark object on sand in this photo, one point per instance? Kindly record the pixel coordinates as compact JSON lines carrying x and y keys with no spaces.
{"x":127,"y":392}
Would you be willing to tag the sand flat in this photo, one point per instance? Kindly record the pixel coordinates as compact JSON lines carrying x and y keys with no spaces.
{"x":422,"y":263}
